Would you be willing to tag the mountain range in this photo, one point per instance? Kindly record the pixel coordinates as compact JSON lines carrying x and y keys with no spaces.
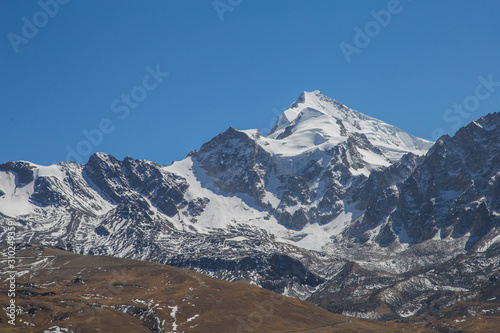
{"x":331,"y":206}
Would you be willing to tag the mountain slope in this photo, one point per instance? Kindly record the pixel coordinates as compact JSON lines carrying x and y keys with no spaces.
{"x":58,"y":291}
{"x":454,"y":192}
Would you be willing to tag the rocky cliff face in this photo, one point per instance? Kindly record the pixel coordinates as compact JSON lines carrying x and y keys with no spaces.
{"x":453,"y":192}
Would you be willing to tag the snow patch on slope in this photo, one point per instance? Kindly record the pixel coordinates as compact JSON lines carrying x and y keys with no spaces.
{"x":15,"y":200}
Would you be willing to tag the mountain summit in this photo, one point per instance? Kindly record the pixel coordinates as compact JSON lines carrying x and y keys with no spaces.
{"x":315,"y":119}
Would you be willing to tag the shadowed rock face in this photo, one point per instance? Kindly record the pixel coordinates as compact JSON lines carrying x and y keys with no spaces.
{"x":453,"y":191}
{"x":131,"y":179}
{"x":236,"y":163}
{"x":45,"y":196}
{"x":23,"y":172}
{"x":275,"y":271}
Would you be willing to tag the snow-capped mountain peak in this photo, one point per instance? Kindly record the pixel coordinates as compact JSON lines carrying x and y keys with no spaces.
{"x":315,"y":119}
{"x":314,"y":100}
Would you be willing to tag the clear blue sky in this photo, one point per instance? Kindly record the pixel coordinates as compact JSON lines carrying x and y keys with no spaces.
{"x":237,"y":72}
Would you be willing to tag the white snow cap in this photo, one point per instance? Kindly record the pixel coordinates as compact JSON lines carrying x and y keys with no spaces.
{"x":315,"y":119}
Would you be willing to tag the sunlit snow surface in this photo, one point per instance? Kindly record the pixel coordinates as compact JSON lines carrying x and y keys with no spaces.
{"x":15,"y":201}
{"x":317,"y":120}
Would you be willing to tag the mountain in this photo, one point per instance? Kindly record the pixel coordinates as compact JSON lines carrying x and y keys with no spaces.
{"x":433,"y":234}
{"x":300,"y":175}
{"x":454,"y":192}
{"x":332,"y":206}
{"x":317,"y":120}
{"x":58,"y":291}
